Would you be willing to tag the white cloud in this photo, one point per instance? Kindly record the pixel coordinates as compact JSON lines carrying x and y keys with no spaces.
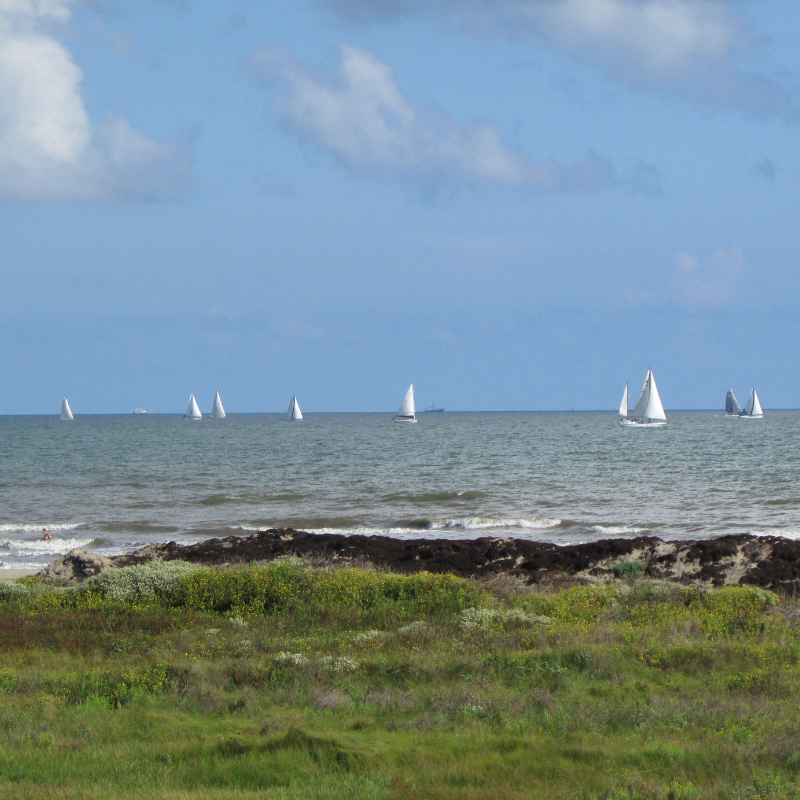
{"x":713,"y":284}
{"x":49,"y":148}
{"x":686,"y":46}
{"x":360,"y":117}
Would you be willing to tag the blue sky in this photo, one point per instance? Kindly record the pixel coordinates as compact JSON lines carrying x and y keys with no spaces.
{"x":515,"y":204}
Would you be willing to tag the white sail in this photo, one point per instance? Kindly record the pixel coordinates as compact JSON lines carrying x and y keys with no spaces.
{"x":623,"y":406}
{"x":66,"y":411}
{"x":192,"y":410}
{"x":732,"y":404}
{"x":753,"y":407}
{"x":407,"y":408}
{"x":649,"y":406}
{"x":294,"y":410}
{"x":218,"y":412}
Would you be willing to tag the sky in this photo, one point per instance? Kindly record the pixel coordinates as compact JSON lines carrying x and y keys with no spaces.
{"x":513,"y":204}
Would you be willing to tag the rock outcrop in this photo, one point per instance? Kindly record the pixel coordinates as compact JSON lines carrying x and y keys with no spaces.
{"x":769,"y":562}
{"x":75,"y":566}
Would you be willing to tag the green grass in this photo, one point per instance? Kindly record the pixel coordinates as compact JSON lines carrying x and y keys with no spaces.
{"x":286,"y":682}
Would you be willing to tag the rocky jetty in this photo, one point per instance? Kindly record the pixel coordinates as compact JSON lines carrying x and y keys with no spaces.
{"x":769,"y":562}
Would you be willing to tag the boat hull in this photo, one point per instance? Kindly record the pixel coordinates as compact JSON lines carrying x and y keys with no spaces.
{"x":634,"y":423}
{"x":399,"y":418}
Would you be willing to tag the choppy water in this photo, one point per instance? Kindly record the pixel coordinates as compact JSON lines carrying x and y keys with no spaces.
{"x":115,"y":483}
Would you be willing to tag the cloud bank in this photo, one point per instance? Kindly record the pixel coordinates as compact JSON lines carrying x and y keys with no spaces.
{"x":360,"y":117}
{"x":691,"y":47}
{"x":49,"y":148}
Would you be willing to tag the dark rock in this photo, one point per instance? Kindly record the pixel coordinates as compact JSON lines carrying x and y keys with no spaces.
{"x":770,"y":562}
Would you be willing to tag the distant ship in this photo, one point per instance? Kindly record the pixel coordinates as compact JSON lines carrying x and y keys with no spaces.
{"x":139,"y":410}
{"x":434,"y":407}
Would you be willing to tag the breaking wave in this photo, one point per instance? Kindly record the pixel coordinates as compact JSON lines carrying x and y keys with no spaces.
{"x":55,"y":547}
{"x":618,"y":530}
{"x":22,"y":527}
{"x":483,"y":523}
{"x":782,"y":532}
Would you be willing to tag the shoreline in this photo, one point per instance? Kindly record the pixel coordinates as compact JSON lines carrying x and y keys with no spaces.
{"x":735,"y":559}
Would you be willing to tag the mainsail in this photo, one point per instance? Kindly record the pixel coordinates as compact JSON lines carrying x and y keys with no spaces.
{"x":294,"y":410}
{"x":66,"y":411}
{"x":649,"y":407}
{"x":218,"y":412}
{"x":732,"y":404}
{"x":623,"y":406}
{"x":192,"y":410}
{"x":407,"y":409}
{"x":753,"y":407}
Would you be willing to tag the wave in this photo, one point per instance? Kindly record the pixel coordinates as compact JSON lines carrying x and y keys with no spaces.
{"x":782,"y":532}
{"x":618,"y":530}
{"x":137,"y":527}
{"x":434,"y":497}
{"x":56,"y":547}
{"x":222,"y":499}
{"x":482,"y":523}
{"x":350,"y":527}
{"x":22,"y":527}
{"x":27,"y":565}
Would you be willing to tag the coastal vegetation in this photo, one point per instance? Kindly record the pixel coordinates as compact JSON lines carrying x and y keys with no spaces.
{"x":294,"y":680}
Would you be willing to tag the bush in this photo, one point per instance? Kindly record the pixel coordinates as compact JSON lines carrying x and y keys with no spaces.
{"x":629,"y":570}
{"x":158,"y":579}
{"x":12,"y":591}
{"x":283,"y":587}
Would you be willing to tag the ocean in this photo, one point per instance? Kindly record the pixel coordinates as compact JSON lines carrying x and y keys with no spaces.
{"x":116,"y":483}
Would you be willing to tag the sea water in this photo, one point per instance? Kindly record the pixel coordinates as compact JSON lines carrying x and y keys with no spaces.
{"x":116,"y":483}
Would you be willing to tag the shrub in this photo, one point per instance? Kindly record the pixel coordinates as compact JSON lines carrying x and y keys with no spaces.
{"x":283,"y":587}
{"x":158,"y":579}
{"x":629,"y":570}
{"x":12,"y":591}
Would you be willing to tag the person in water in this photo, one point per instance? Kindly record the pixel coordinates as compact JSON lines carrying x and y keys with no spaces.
{"x":46,"y":535}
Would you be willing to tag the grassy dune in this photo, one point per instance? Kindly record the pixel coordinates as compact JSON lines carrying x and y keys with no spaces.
{"x":290,"y":682}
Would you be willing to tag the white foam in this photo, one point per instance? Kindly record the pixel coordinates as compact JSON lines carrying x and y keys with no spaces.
{"x":12,"y":527}
{"x":482,"y":523}
{"x":617,"y":530}
{"x":28,"y":565}
{"x":39,"y":547}
{"x":782,"y":532}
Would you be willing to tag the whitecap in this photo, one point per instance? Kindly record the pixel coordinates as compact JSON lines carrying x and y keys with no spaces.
{"x":55,"y":546}
{"x":482,"y":523}
{"x":618,"y":530}
{"x":12,"y":527}
{"x":782,"y":532}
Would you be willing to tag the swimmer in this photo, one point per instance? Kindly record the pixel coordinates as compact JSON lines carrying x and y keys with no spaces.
{"x":46,"y":535}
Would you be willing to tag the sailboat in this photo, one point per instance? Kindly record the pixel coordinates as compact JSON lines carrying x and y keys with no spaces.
{"x":294,"y":411}
{"x":753,"y":408}
{"x":218,"y":412}
{"x":66,"y":411}
{"x":732,"y":407}
{"x":192,"y":410}
{"x":649,"y":412}
{"x":407,"y":412}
